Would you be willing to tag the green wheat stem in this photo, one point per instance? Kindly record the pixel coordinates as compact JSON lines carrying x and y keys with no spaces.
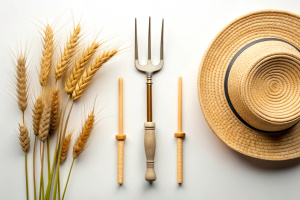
{"x":26,"y":172}
{"x":57,"y":147}
{"x":58,"y":185}
{"x":43,"y":198}
{"x":47,"y":196}
{"x":48,"y":156}
{"x":68,"y":180}
{"x":40,"y":192}
{"x":56,"y":182}
{"x":34,"y":184}
{"x":59,"y":153}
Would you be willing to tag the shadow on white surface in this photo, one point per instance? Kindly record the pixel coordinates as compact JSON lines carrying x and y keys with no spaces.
{"x":268,"y":164}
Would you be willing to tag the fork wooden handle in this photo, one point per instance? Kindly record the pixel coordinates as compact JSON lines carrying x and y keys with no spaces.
{"x":150,"y":145}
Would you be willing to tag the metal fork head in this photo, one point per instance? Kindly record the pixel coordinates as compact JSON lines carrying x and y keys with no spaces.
{"x":149,"y":68}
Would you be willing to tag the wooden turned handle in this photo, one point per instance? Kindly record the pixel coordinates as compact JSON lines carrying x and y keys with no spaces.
{"x":150,"y":145}
{"x":120,"y":139}
{"x":120,"y":160}
{"x":179,"y":160}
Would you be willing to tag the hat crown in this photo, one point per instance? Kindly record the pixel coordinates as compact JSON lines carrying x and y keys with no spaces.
{"x":264,"y":85}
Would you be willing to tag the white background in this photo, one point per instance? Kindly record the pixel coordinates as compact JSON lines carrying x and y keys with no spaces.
{"x":211,"y":169}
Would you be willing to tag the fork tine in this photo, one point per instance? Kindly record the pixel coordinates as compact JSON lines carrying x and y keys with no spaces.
{"x":136,"y":57}
{"x":162,"y":41}
{"x":149,"y":68}
{"x":149,"y":41}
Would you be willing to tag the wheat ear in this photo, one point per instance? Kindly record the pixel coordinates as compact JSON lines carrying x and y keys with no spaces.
{"x":21,"y":83}
{"x":79,"y":66}
{"x":36,"y":116}
{"x":90,"y":71}
{"x":54,"y":111}
{"x":65,"y":147}
{"x":47,"y":55}
{"x":82,"y":139}
{"x":69,"y":51}
{"x":24,"y":138}
{"x":44,"y":126}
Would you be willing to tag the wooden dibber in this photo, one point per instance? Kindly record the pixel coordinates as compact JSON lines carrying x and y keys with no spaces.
{"x":180,"y":136}
{"x":120,"y":137}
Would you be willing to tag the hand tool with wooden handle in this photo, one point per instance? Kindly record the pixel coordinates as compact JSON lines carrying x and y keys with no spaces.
{"x":120,"y":137}
{"x":149,"y":69}
{"x":180,"y":136}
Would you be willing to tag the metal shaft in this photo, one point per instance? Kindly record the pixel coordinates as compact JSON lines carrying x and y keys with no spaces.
{"x":149,"y":98}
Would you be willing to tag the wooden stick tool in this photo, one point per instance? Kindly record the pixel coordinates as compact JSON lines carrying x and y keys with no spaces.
{"x":120,"y":137}
{"x":179,"y":135}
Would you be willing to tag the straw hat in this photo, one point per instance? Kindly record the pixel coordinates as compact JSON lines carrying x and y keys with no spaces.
{"x":249,"y":85}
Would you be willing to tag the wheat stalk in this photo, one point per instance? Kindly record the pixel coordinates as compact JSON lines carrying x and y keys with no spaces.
{"x":22,"y":89}
{"x":54,"y":121}
{"x":24,"y":138}
{"x":90,"y":71}
{"x":69,"y":50}
{"x":47,"y":55}
{"x":36,"y":117}
{"x":82,"y":139}
{"x":80,"y":143}
{"x":44,"y":126}
{"x":24,"y":141}
{"x":21,"y":83}
{"x":79,"y":66}
{"x":65,"y":147}
{"x":54,"y":111}
{"x":37,"y":113}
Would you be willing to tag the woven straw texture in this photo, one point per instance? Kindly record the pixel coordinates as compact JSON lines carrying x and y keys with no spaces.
{"x":263,"y":85}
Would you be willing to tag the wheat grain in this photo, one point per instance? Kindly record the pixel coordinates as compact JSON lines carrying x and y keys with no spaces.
{"x":24,"y":138}
{"x":65,"y":147}
{"x":37,"y":113}
{"x":21,"y":82}
{"x":90,"y":71}
{"x":47,"y":55}
{"x":54,"y":111}
{"x":79,"y":67}
{"x":44,"y":126}
{"x":69,"y":50}
{"x":82,"y":139}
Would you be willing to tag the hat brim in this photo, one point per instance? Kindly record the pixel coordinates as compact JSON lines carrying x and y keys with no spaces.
{"x":244,"y":30}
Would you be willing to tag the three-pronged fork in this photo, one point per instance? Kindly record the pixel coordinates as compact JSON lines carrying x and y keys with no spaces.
{"x":149,"y":69}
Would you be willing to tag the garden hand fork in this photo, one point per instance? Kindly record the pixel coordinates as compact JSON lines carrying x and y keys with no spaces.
{"x":149,"y":69}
